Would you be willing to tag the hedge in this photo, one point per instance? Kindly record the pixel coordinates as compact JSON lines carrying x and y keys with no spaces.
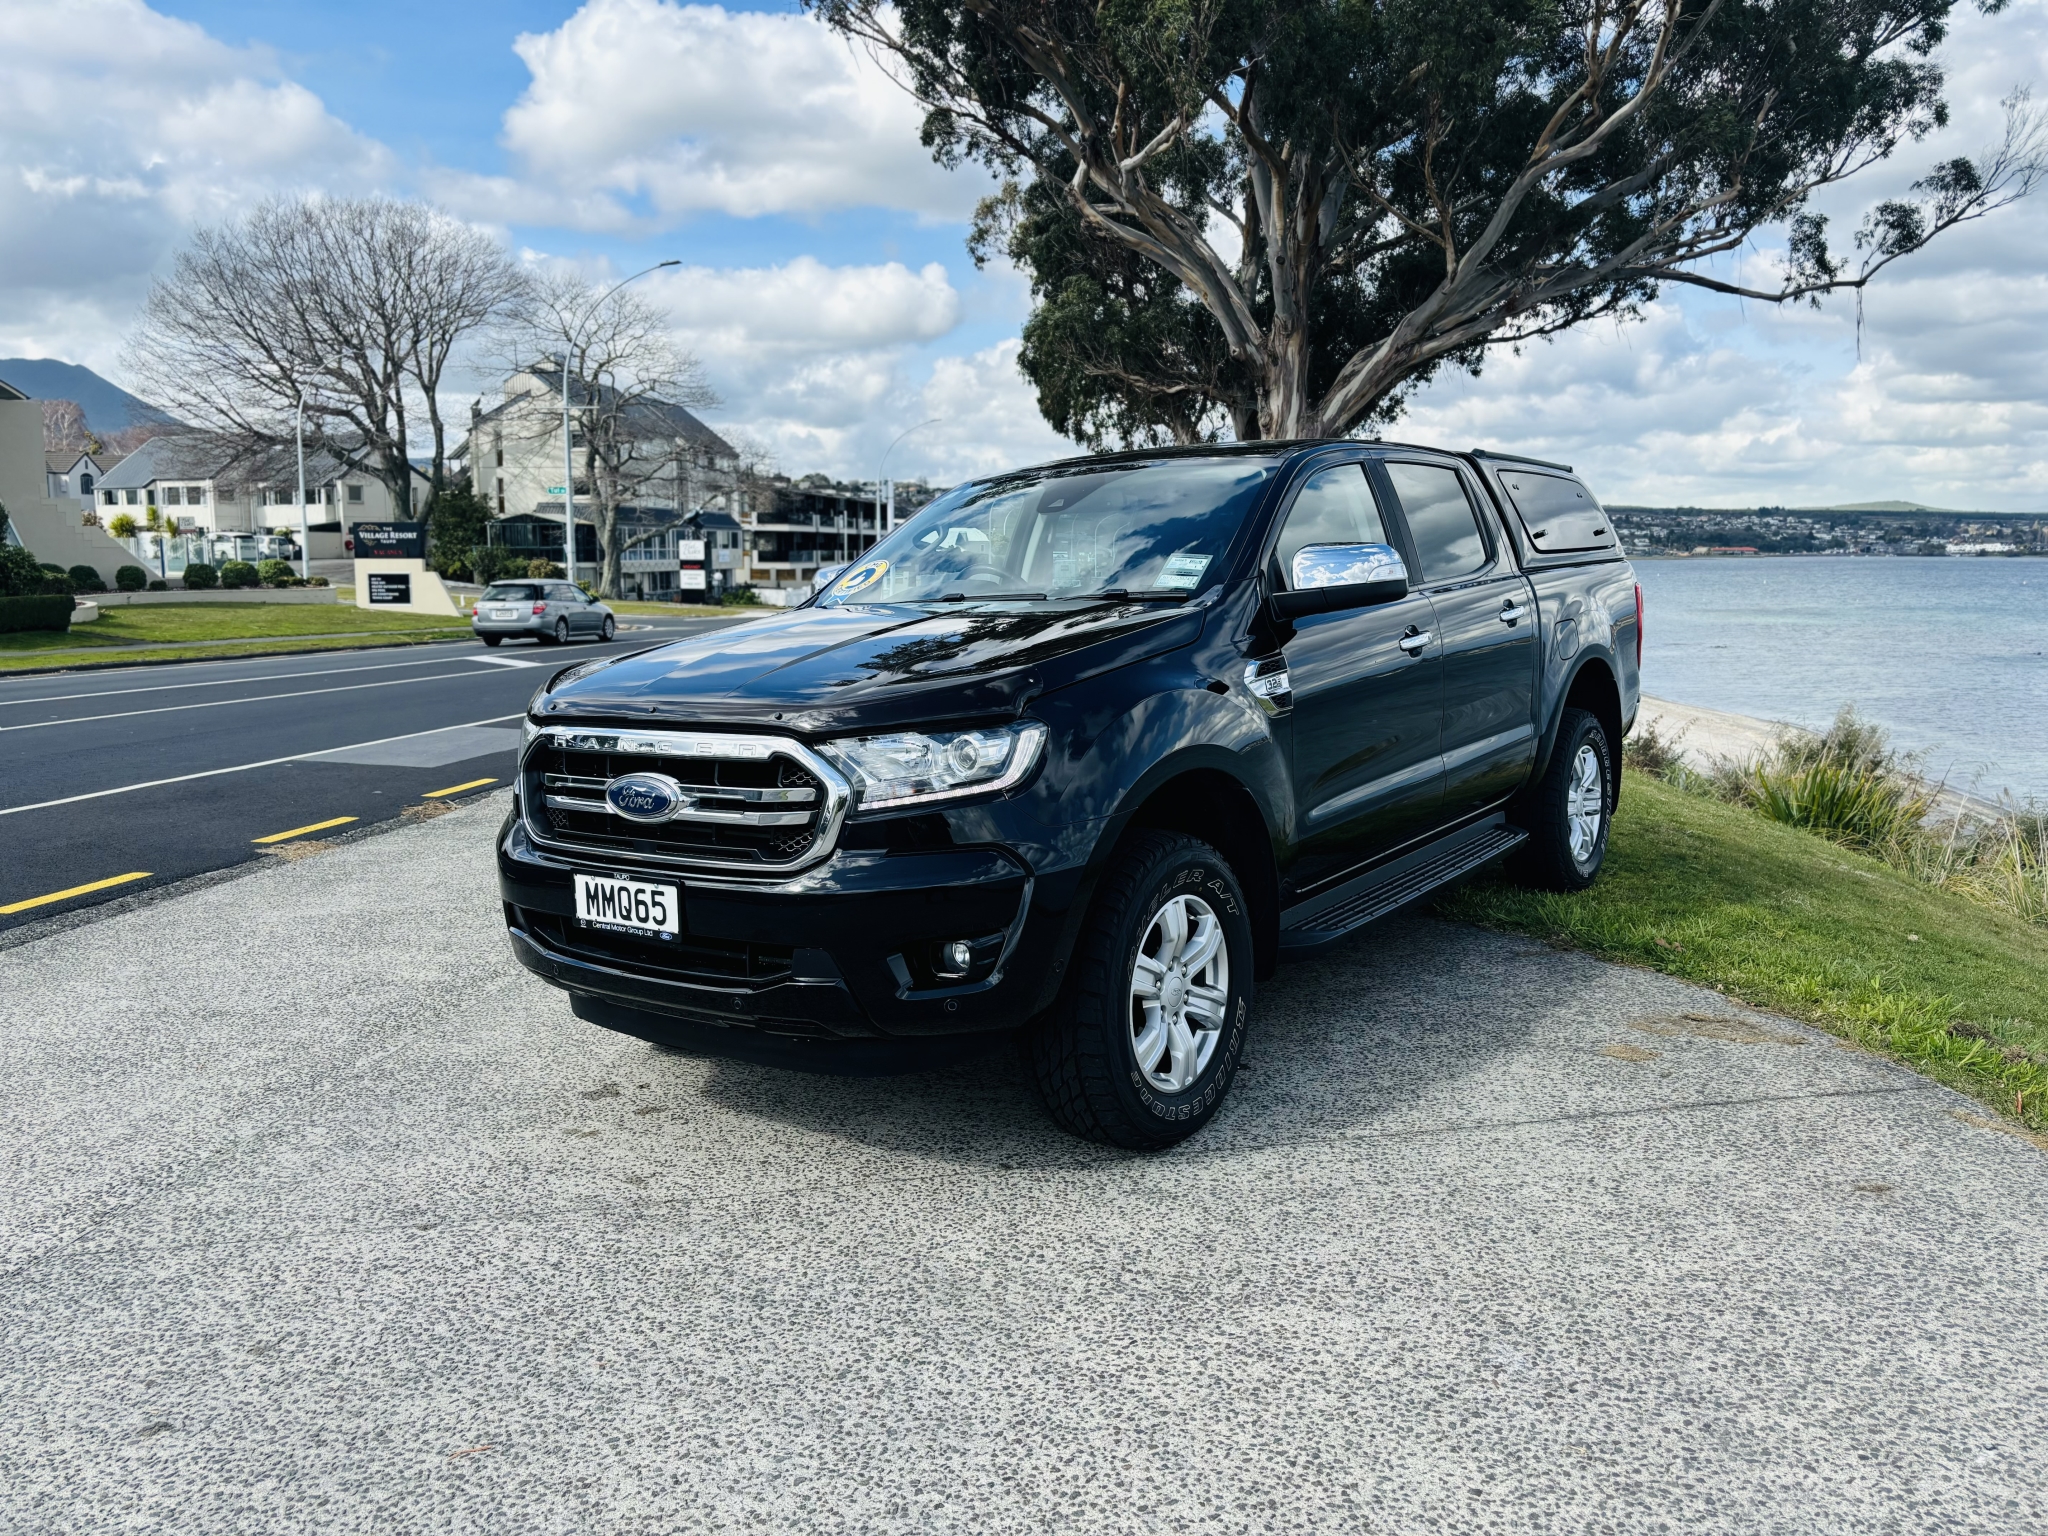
{"x":22,"y":613}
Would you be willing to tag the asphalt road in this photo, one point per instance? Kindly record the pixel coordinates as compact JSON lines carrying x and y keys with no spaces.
{"x":318,"y":1214}
{"x":142,"y":776}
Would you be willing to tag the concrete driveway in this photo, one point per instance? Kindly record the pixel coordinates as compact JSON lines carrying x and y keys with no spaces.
{"x":317,"y":1214}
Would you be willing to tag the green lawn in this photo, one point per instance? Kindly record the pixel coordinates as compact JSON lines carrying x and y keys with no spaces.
{"x":167,"y":630}
{"x":1783,"y":919}
{"x":171,"y":623}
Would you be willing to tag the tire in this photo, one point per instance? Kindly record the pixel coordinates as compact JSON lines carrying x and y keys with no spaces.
{"x":1107,"y":1064}
{"x":1563,"y":853}
{"x":610,"y":628}
{"x":561,"y":631}
{"x":492,"y":639}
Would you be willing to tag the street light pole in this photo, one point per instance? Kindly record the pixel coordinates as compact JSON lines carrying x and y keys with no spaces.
{"x":305,"y":532}
{"x":888,"y":486}
{"x":568,"y":447}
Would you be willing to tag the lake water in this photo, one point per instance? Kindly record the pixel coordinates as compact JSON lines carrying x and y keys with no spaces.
{"x":1951,"y":655}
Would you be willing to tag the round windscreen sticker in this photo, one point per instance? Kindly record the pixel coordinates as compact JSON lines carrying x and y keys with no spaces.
{"x":861,"y":577}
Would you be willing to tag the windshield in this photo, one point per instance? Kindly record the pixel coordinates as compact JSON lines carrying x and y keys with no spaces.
{"x":1145,"y":530}
{"x":509,"y":592}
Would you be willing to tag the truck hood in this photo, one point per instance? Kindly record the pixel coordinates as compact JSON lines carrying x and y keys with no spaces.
{"x":862,"y":668}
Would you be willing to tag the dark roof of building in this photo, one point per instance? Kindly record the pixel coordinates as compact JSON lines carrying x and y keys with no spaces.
{"x":195,"y":456}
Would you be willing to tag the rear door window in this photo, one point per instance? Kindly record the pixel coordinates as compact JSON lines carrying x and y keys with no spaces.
{"x":1448,"y":544}
{"x":1336,"y":506}
{"x":1556,"y":512}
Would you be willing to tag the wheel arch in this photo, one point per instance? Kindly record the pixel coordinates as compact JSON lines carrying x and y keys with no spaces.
{"x":1594,"y":689}
{"x":1219,"y":809}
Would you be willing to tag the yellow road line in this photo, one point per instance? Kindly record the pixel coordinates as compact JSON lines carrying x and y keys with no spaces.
{"x":456,"y":789}
{"x":76,"y":890}
{"x":318,"y":826}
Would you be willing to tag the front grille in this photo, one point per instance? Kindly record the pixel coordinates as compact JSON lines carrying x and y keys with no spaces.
{"x":714,"y":961}
{"x":753,"y":804}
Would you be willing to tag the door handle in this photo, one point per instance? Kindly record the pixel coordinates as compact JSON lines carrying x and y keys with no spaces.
{"x":1413,"y":643}
{"x":1512,"y":612}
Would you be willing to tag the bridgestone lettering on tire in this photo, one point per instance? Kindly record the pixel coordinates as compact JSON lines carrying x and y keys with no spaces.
{"x":1148,"y":1034}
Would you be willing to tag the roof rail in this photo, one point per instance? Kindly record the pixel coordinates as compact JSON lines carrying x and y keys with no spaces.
{"x":1518,"y":458}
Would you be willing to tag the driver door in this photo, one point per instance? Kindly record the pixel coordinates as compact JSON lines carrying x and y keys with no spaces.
{"x":1367,"y":720}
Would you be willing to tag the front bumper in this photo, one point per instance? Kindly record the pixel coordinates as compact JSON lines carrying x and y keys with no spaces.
{"x":830,"y":953}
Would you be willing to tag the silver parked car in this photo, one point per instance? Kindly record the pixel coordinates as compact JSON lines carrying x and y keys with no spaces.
{"x":551,"y":612}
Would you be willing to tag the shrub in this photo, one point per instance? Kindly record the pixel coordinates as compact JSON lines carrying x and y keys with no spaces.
{"x":159,"y":585}
{"x":316,"y":581}
{"x":543,"y":570}
{"x":1846,"y":784}
{"x":274,"y":573}
{"x":457,"y":521}
{"x":200,"y":577}
{"x":238,"y":573}
{"x":490,"y":562}
{"x":86,"y":578}
{"x":19,"y":574}
{"x":56,"y":583}
{"x":18,"y":614}
{"x":124,"y":525}
{"x":741,"y":596}
{"x":131,"y":578}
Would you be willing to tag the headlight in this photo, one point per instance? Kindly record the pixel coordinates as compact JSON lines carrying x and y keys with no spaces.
{"x":528,"y":729}
{"x":915,"y":767}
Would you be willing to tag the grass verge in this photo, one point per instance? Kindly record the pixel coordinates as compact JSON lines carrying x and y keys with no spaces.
{"x":16,"y":662}
{"x":171,"y":623}
{"x":1778,"y":917}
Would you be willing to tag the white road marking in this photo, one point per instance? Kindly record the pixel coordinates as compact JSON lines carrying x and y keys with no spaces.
{"x":255,"y":698}
{"x":504,"y":661}
{"x":269,"y":762}
{"x":224,"y":682}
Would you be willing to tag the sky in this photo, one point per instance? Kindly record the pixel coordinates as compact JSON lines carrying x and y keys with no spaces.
{"x":825,"y":285}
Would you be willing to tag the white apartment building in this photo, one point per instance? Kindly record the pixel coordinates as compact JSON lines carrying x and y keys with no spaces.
{"x":197,"y":485}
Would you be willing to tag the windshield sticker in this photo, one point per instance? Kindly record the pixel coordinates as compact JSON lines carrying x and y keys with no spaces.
{"x":1181,"y":573}
{"x":861,"y":577}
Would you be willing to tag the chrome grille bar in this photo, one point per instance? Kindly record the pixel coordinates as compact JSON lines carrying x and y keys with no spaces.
{"x":691,"y":813}
{"x":819,"y":807}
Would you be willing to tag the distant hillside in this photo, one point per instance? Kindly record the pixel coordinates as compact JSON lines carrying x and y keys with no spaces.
{"x":108,"y":407}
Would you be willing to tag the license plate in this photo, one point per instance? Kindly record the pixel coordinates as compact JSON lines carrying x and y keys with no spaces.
{"x":504,"y":613}
{"x":629,"y":906}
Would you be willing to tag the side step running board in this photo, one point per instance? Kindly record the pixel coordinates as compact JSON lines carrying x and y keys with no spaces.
{"x":1378,"y":892}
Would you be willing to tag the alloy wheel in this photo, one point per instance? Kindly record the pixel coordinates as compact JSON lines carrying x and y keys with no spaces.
{"x":1585,"y":803}
{"x":1179,"y":995}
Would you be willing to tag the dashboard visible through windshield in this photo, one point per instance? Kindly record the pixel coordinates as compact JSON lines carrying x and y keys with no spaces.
{"x":1140,"y":530}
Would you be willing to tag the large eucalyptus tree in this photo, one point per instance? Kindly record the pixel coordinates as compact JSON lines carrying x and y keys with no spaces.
{"x":1285,"y":213}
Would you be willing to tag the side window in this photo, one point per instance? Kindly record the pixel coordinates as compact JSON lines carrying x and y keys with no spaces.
{"x":1447,"y":538}
{"x":1336,"y":506}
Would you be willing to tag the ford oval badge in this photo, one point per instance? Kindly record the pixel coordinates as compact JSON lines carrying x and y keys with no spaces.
{"x":645,"y":796}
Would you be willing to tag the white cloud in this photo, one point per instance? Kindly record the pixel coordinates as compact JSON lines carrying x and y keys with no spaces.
{"x":825,"y":365}
{"x":684,"y":108}
{"x":1941,"y":399}
{"x":118,"y":127}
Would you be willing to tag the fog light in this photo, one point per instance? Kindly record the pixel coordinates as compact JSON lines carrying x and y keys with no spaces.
{"x":955,"y":958}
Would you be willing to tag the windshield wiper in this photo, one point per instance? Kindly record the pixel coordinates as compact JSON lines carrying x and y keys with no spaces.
{"x":1126,"y":595}
{"x":988,"y":597}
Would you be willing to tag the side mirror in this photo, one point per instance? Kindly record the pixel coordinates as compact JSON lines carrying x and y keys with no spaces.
{"x":1327,"y":578}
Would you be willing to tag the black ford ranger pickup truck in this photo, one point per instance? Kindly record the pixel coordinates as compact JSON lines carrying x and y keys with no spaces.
{"x":1084,"y":751}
